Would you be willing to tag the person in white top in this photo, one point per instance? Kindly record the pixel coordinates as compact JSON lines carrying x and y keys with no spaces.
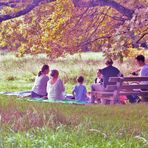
{"x":143,"y":72}
{"x":55,"y":87}
{"x":144,"y":67}
{"x":39,"y":88}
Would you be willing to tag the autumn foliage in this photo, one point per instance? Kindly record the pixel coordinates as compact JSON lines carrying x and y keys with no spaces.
{"x":59,"y":27}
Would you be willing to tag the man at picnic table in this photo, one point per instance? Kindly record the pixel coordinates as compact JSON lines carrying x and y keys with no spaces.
{"x":107,"y":72}
{"x":140,"y":59}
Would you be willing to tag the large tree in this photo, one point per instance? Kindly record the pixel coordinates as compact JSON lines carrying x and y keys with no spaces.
{"x":59,"y":26}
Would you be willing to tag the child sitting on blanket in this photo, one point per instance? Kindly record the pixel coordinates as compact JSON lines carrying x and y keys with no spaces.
{"x":55,"y":87}
{"x":79,"y":91}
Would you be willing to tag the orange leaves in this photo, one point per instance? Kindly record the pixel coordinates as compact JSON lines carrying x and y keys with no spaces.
{"x":59,"y":27}
{"x":133,"y":52}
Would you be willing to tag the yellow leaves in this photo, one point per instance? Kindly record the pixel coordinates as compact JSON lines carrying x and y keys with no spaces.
{"x":2,"y":43}
{"x":103,"y":24}
{"x":101,"y":34}
{"x":132,"y":52}
{"x":21,"y":50}
{"x":129,"y":43}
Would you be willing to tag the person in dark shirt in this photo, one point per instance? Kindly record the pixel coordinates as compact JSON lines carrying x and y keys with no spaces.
{"x":109,"y":71}
{"x":105,"y":73}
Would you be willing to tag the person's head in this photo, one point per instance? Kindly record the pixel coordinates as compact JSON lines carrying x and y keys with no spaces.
{"x":80,"y":79}
{"x":140,"y":59}
{"x":54,"y":73}
{"x":109,"y":62}
{"x":98,"y":73}
{"x":44,"y":70}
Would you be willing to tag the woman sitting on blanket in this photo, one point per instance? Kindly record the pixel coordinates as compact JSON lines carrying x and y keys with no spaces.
{"x":55,"y":87}
{"x":40,"y":85}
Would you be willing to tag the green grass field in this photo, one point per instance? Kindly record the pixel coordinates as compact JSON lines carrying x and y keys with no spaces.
{"x":45,"y":125}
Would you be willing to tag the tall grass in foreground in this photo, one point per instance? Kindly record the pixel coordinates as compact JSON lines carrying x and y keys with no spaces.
{"x":32,"y":124}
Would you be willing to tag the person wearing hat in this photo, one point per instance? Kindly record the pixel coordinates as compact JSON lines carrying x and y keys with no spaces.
{"x":55,"y":87}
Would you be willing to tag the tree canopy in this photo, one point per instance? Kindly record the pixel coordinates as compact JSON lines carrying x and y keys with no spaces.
{"x":57,"y":27}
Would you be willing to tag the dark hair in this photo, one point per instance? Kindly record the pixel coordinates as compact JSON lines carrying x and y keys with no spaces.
{"x":44,"y":67}
{"x":80,"y":79}
{"x":140,"y":58}
{"x":99,"y":70}
{"x":109,"y":62}
{"x":54,"y":73}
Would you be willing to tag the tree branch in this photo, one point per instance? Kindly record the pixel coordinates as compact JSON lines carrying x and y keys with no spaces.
{"x":77,"y":3}
{"x":146,"y":33}
{"x":111,"y":3}
{"x":26,"y":10}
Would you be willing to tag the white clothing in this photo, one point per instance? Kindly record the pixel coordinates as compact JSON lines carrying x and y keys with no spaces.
{"x":144,"y":73}
{"x":56,"y":91}
{"x":40,"y":85}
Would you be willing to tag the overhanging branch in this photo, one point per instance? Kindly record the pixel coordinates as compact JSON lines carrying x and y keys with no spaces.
{"x":26,"y":10}
{"x":111,"y":3}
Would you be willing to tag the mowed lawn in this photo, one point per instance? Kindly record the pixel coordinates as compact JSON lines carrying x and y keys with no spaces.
{"x":44,"y":125}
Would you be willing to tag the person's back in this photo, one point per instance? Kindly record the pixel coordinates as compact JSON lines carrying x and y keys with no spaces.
{"x":40,"y":85}
{"x":55,"y":87}
{"x":108,"y":72}
{"x":56,"y":90}
{"x":80,"y":91}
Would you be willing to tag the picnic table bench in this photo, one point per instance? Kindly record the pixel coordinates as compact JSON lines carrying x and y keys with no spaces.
{"x":123,"y":86}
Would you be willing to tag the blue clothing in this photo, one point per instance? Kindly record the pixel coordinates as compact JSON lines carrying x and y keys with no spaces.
{"x":80,"y":92}
{"x":108,"y":72}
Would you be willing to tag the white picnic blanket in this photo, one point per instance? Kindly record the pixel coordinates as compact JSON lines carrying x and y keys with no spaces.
{"x":18,"y":94}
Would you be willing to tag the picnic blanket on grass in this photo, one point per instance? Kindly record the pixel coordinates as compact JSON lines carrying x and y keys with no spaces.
{"x":25,"y":96}
{"x":18,"y":94}
{"x":53,"y":101}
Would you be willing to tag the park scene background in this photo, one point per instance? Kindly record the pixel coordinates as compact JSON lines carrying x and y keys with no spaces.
{"x":75,"y":37}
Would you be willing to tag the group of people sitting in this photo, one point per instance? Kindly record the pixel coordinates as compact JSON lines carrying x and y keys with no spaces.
{"x":52,"y":87}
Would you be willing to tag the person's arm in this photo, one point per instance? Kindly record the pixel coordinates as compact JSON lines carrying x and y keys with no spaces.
{"x":120,"y":74}
{"x":61,"y":84}
{"x":144,"y":72}
{"x":36,"y":79}
{"x":47,"y":87}
{"x":85,"y":92}
{"x":46,"y":81}
{"x":95,"y":80}
{"x":135,"y":73}
{"x":73,"y":91}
